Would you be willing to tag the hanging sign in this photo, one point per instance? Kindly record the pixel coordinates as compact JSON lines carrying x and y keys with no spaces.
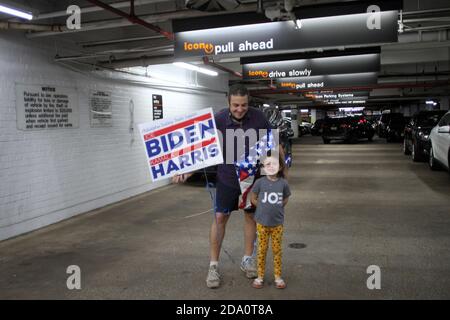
{"x":312,"y":67}
{"x":328,"y":81}
{"x":272,"y":37}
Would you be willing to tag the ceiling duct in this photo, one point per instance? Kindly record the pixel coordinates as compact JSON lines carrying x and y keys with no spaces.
{"x":281,"y":11}
{"x":212,"y":5}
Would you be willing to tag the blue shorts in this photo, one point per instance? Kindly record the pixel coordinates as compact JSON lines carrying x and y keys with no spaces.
{"x":227,"y":199}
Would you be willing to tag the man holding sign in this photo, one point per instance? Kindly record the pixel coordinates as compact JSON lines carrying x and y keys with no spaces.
{"x":234,"y":121}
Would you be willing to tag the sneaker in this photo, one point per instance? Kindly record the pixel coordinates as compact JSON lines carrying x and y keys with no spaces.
{"x":213,"y":278}
{"x":258,"y":283}
{"x":249,"y":267}
{"x":280,"y":284}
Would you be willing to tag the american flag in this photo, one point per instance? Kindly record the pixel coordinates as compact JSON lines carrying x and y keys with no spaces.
{"x":247,"y":166}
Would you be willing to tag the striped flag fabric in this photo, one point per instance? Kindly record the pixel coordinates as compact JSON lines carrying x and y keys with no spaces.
{"x":248,"y":166}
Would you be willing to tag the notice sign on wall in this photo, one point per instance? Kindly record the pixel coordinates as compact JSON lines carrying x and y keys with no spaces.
{"x":181,"y":144}
{"x":46,"y":107}
{"x":101,"y":113}
{"x":157,"y":107}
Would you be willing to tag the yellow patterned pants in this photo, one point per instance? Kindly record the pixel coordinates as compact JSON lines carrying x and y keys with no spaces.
{"x":264,"y":235}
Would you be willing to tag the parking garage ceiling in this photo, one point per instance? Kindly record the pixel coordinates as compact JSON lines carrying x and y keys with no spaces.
{"x":124,"y":34}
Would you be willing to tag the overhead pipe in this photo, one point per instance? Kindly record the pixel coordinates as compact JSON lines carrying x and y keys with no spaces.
{"x":434,"y":19}
{"x":143,"y":61}
{"x":133,"y":18}
{"x":124,"y":4}
{"x":5,"y":25}
{"x":110,"y":53}
{"x":208,"y":62}
{"x":408,"y":13}
{"x":90,"y":44}
{"x":437,"y":27}
{"x":150,"y":18}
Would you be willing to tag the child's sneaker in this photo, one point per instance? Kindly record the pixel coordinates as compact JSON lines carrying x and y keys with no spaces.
{"x":249,"y":267}
{"x":280,"y":284}
{"x":213,"y":278}
{"x":258,"y":283}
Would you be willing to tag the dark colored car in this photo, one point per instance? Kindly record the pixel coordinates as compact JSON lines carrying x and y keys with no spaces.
{"x":373,"y":120}
{"x":304,"y":128}
{"x":384,"y":122}
{"x":395,"y":128}
{"x":348,"y":129}
{"x":317,"y":127}
{"x":416,"y":141}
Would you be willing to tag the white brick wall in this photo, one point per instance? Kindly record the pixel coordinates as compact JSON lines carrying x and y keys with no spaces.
{"x":47,"y":176}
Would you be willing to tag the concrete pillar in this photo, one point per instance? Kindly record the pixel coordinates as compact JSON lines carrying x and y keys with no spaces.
{"x":313,"y":115}
{"x":407,"y":111}
{"x":320,"y":114}
{"x":294,"y":121}
{"x":444,"y":103}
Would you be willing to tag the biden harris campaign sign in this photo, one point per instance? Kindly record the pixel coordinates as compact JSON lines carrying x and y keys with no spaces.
{"x":181,"y":144}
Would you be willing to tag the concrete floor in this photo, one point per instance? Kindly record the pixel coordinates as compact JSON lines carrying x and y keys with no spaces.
{"x":352,"y":206}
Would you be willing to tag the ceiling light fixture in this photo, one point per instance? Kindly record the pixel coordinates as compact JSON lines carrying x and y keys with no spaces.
{"x":195,"y":68}
{"x":15,"y":12}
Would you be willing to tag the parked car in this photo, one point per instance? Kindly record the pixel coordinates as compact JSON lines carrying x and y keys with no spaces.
{"x":383,"y":123}
{"x":348,"y":129}
{"x":364,"y":127}
{"x":304,"y":128}
{"x":284,"y":125}
{"x":395,"y":128}
{"x":440,"y":144}
{"x":373,"y":120}
{"x":416,"y":140}
{"x":287,"y":124}
{"x":317,"y":127}
{"x":286,"y":135}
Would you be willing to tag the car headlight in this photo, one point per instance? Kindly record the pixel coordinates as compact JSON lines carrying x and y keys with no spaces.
{"x":423,"y":136}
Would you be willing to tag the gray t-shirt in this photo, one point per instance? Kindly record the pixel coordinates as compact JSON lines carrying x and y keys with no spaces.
{"x":270,"y":211}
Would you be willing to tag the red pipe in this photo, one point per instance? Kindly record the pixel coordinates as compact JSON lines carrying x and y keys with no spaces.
{"x":206,"y":61}
{"x":132,"y":18}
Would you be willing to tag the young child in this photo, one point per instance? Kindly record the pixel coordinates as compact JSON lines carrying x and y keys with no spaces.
{"x":270,"y":194}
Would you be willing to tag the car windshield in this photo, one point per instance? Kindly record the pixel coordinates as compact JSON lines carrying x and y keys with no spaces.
{"x":385,"y":118}
{"x":336,"y":121}
{"x":429,"y":120}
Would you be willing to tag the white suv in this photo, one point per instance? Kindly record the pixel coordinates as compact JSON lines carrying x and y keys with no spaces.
{"x":440,"y":143}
